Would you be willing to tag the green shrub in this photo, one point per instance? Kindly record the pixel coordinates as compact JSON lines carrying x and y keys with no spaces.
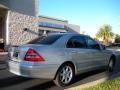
{"x":108,"y":85}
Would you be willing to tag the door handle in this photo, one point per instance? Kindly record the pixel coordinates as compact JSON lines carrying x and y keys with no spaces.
{"x":73,"y":51}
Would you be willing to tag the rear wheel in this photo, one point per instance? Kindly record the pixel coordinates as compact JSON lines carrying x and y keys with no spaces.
{"x":111,"y":65}
{"x":65,"y":75}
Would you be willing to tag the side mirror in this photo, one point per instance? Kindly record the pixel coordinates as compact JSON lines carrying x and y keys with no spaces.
{"x":103,"y":47}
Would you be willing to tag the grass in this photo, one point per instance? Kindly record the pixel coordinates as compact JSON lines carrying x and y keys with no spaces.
{"x":108,"y":85}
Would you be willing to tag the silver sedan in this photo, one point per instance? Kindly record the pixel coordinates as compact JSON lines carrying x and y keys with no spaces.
{"x":59,"y":57}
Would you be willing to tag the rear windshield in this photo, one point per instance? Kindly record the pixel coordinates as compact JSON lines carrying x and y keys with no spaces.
{"x":46,"y":39}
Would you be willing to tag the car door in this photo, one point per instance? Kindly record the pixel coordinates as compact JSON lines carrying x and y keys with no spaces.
{"x":96,"y":55}
{"x":77,"y":47}
{"x":106,"y":54}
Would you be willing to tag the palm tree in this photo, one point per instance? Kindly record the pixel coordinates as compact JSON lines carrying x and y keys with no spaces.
{"x":105,"y":33}
{"x":117,"y":38}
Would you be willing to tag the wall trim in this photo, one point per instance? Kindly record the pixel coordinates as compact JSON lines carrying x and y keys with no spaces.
{"x":7,"y":29}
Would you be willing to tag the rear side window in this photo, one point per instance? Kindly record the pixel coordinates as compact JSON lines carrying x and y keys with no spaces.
{"x":47,"y":40}
{"x":76,"y":42}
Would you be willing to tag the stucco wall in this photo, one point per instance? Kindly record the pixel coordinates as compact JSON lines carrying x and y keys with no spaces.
{"x":17,"y":23}
{"x":73,"y":28}
{"x":28,"y":7}
{"x":23,"y":6}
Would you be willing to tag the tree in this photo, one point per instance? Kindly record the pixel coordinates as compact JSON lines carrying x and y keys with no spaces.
{"x":105,"y":33}
{"x":117,"y":38}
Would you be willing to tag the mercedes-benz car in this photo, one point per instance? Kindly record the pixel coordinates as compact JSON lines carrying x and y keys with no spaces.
{"x":59,"y":57}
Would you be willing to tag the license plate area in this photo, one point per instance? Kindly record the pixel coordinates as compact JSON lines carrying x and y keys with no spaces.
{"x":14,"y":66}
{"x":15,"y":54}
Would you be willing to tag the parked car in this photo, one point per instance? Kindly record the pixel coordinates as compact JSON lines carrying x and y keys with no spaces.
{"x":115,"y":45}
{"x":59,"y":57}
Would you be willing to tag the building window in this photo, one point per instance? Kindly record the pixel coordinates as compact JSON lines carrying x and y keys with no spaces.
{"x":47,"y":32}
{"x":41,"y":32}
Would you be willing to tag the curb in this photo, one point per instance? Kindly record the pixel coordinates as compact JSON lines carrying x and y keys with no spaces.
{"x":87,"y":85}
{"x":3,"y":53}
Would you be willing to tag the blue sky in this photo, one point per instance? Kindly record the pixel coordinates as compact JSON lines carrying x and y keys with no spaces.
{"x":89,"y":14}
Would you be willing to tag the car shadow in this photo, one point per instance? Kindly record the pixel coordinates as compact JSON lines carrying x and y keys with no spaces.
{"x":9,"y":81}
{"x":78,"y":78}
{"x":87,"y":74}
{"x":43,"y":86}
{"x":2,"y":62}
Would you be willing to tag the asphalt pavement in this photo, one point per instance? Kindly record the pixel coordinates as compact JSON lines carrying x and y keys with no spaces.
{"x":9,"y":81}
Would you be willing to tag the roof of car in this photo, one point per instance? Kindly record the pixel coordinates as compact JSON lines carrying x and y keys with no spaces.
{"x":68,"y":34}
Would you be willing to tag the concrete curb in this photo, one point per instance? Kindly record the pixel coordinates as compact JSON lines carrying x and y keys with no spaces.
{"x":87,"y":85}
{"x":3,"y":53}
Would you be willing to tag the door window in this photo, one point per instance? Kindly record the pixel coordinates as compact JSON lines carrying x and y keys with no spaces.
{"x":76,"y":42}
{"x":92,"y":44}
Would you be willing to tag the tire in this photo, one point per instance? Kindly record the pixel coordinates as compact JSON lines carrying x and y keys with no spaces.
{"x":64,"y":75}
{"x":111,"y":65}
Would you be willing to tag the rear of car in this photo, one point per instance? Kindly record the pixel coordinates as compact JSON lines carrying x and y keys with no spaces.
{"x":31,"y":60}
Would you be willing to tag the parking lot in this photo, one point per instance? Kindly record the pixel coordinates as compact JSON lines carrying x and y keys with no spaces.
{"x":9,"y":81}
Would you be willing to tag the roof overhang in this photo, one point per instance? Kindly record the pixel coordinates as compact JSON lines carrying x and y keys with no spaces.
{"x":52,"y":29}
{"x":3,"y":6}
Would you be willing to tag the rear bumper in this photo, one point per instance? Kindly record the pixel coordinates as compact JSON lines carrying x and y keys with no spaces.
{"x":30,"y":69}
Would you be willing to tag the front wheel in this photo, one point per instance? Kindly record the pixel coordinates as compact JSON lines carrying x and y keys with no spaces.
{"x":65,"y":75}
{"x":111,"y":65}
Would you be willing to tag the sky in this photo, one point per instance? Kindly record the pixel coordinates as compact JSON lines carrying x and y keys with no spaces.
{"x":90,"y":15}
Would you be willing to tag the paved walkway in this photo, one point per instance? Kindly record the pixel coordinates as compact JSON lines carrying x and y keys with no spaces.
{"x":3,"y":56}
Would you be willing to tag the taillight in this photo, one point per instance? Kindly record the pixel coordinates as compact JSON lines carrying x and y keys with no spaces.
{"x":33,"y":56}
